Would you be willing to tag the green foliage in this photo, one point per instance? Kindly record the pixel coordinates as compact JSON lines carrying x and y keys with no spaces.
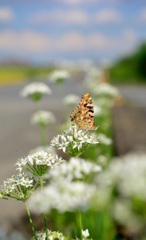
{"x":15,"y":74}
{"x":131,"y":68}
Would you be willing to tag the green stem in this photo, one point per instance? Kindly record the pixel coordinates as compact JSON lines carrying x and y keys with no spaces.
{"x":30,"y":220}
{"x":45,"y":217}
{"x":37,"y":106}
{"x":43,"y":136}
{"x":42,"y":128}
{"x":79,"y":220}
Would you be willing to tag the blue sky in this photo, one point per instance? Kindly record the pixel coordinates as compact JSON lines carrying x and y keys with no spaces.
{"x":44,"y":30}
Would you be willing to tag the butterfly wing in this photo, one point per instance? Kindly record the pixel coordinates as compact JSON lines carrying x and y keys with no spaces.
{"x":83,"y":115}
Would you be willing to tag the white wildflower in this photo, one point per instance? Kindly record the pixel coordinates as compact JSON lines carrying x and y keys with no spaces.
{"x":58,"y":76}
{"x":71,"y":100}
{"x":74,"y":169}
{"x":92,"y":76}
{"x":38,"y":163}
{"x":64,"y":196}
{"x":74,"y":141}
{"x":19,"y":187}
{"x":43,"y":118}
{"x":102,"y":160}
{"x":97,"y":111}
{"x":106,"y":89}
{"x":35,"y":90}
{"x":123,"y":214}
{"x":52,"y":235}
{"x":47,"y":149}
{"x":127,"y":177}
{"x":85,"y":233}
{"x":103,"y":139}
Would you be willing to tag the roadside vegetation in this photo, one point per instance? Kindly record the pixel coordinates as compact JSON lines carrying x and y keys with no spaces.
{"x":17,"y":74}
{"x":130,"y":69}
{"x":75,"y":184}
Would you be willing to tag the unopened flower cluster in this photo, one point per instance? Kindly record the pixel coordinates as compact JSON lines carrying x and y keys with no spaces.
{"x":74,"y":141}
{"x":38,"y":163}
{"x":35,"y":90}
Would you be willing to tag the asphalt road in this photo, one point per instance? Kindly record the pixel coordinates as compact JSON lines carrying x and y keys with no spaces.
{"x":135,"y":95}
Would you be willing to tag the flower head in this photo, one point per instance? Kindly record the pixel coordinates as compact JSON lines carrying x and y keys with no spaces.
{"x":64,"y":196}
{"x":103,"y":139}
{"x":71,"y":100}
{"x":74,"y":169}
{"x":35,"y":90}
{"x":38,"y":163}
{"x":105,"y":89}
{"x":85,"y":233}
{"x":19,"y":187}
{"x":52,"y":235}
{"x":125,"y":176}
{"x":58,"y":76}
{"x":67,"y":186}
{"x":47,"y":149}
{"x":43,"y":118}
{"x":74,"y":141}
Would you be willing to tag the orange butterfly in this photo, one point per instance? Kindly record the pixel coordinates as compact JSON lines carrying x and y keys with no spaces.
{"x":83,"y":114}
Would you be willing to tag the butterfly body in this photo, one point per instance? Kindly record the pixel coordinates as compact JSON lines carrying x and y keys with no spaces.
{"x":83,"y":114}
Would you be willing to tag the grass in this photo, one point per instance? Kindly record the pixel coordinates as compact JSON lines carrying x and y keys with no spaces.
{"x":14,"y":75}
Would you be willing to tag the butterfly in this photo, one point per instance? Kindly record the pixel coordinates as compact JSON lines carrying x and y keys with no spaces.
{"x":83,"y":114}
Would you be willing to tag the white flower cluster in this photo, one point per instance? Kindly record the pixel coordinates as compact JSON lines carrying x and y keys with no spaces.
{"x":103,"y":139}
{"x":43,"y":118}
{"x":52,"y":235}
{"x":105,"y":89}
{"x":38,"y":163}
{"x":74,"y":169}
{"x":97,"y":110}
{"x":74,"y":141}
{"x":35,"y":90}
{"x":71,"y":100}
{"x":127,"y":177}
{"x":85,"y":233}
{"x":93,"y":75}
{"x":59,"y":76}
{"x":64,"y":196}
{"x":47,"y":149}
{"x":19,"y":186}
{"x":123,"y":213}
{"x":66,"y":189}
{"x":123,"y":172}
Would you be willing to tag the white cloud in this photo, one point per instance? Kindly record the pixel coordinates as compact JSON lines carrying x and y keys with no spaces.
{"x":142,"y":16}
{"x":74,"y":43}
{"x":108,"y":16}
{"x":62,"y":17}
{"x":24,"y":41}
{"x":6,"y":14}
{"x":76,"y":17}
{"x":80,"y":2}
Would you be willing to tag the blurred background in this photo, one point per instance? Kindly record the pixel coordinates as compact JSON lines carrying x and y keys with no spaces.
{"x":38,"y":36}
